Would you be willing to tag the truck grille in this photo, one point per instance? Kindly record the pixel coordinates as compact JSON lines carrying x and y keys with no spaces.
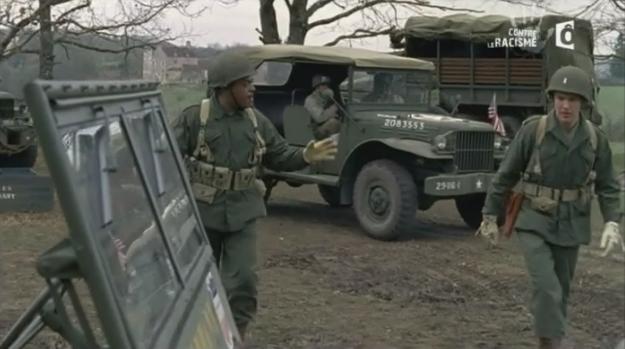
{"x":474,"y":151}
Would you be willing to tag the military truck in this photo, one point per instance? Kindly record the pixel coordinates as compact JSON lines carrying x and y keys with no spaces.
{"x":21,"y":189}
{"x":18,"y":146}
{"x":508,"y":60}
{"x":393,"y":157}
{"x":135,"y":237}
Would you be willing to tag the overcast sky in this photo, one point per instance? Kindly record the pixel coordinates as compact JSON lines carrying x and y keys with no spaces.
{"x":229,"y":24}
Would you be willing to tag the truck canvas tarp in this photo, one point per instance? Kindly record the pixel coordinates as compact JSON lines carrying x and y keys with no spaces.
{"x":478,"y":58}
{"x":485,"y":29}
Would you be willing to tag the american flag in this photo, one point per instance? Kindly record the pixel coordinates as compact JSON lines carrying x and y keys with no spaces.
{"x":494,"y":117}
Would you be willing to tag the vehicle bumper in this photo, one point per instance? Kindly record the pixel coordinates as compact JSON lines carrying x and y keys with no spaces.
{"x":456,"y":185}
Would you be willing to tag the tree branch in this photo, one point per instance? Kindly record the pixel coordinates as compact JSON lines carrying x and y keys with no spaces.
{"x":317,"y":6}
{"x":107,"y":50}
{"x":359,"y":34}
{"x":371,"y":3}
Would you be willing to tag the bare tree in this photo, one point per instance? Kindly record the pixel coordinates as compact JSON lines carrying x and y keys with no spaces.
{"x":377,"y":17}
{"x":64,"y":22}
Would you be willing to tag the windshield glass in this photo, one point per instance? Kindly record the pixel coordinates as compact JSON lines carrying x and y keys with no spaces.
{"x":391,"y":87}
{"x":271,"y":73}
{"x":122,"y":222}
{"x":174,"y":206}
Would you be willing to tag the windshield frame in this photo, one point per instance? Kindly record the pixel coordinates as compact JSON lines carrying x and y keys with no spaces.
{"x":61,"y":106}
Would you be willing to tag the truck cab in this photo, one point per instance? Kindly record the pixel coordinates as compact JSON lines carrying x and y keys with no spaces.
{"x":396,"y":154}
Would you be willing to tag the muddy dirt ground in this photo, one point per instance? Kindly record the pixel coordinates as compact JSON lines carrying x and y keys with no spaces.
{"x":324,"y":284}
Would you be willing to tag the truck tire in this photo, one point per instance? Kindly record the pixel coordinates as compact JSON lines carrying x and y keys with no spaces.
{"x":470,"y":208}
{"x":331,"y":195}
{"x":385,"y":199}
{"x":512,"y":124}
{"x":25,"y":158}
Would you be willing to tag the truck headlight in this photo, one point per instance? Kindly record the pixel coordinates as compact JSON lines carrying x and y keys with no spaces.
{"x":440,"y":142}
{"x":500,"y":143}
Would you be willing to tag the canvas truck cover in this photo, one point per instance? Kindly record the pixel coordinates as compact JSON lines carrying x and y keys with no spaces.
{"x":337,"y":55}
{"x":465,"y":27}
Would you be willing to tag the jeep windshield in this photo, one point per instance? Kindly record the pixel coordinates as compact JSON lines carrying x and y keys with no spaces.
{"x":135,"y":244}
{"x":371,"y":86}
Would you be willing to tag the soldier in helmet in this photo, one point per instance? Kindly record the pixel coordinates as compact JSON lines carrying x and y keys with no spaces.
{"x":322,"y":108}
{"x":555,"y":161}
{"x":225,"y":141}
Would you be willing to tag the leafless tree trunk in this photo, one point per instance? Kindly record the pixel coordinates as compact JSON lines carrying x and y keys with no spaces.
{"x":46,"y":40}
{"x":269,"y":25}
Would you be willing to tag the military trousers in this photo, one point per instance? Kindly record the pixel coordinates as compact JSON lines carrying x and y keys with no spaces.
{"x":326,"y":128}
{"x":551,"y":269}
{"x":236,"y":255}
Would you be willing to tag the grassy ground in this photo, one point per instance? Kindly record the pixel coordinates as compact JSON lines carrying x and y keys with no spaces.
{"x":612,"y":106}
{"x":178,"y":97}
{"x":611,"y":101}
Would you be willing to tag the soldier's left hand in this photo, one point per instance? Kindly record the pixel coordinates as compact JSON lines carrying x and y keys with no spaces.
{"x":611,"y":238}
{"x":324,"y":149}
{"x":489,"y":230}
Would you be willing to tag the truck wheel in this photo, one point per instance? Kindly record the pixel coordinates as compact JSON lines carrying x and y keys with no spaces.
{"x":470,"y":208}
{"x":385,"y":199}
{"x":331,"y":195}
{"x":512,"y":125}
{"x":25,"y":158}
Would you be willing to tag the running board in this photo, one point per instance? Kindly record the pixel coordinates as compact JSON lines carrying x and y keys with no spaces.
{"x":304,"y":177}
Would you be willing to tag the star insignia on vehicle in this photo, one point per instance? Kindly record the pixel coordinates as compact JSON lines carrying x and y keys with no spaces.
{"x":478,"y":184}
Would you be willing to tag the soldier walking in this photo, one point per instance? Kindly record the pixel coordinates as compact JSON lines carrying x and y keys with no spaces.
{"x":225,"y":141}
{"x":556,"y":160}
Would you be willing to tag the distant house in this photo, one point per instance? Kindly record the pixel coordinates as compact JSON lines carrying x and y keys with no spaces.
{"x":169,"y":63}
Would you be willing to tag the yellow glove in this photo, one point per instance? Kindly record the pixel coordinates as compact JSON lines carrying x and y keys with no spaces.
{"x":324,"y":149}
{"x":611,"y":238}
{"x":489,"y":230}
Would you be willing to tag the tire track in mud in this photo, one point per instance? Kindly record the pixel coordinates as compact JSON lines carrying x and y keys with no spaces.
{"x":441,"y":268}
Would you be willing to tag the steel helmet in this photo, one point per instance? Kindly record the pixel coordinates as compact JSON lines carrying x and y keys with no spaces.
{"x":227,"y":68}
{"x":571,"y":79}
{"x":320,"y":80}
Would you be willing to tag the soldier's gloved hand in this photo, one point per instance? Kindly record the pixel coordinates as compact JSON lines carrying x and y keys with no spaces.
{"x":611,"y":238}
{"x":324,"y":149}
{"x":489,"y":230}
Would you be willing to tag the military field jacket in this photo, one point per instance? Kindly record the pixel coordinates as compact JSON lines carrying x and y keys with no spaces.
{"x":231,"y":139}
{"x":565,"y":165}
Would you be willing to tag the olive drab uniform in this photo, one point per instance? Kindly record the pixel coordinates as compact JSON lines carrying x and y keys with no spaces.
{"x":556,"y":171}
{"x":224,"y":152}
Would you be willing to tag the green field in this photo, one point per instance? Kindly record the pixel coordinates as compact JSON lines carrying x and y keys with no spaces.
{"x":178,"y":97}
{"x":611,"y":104}
{"x":611,"y":101}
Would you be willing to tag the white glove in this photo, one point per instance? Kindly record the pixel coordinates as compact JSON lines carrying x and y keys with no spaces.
{"x":611,"y":238}
{"x":322,"y":150}
{"x":489,"y":229}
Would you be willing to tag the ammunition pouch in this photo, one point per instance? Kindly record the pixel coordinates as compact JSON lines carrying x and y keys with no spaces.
{"x":220,"y":178}
{"x":563,"y":195}
{"x":203,"y":192}
{"x":546,"y":199}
